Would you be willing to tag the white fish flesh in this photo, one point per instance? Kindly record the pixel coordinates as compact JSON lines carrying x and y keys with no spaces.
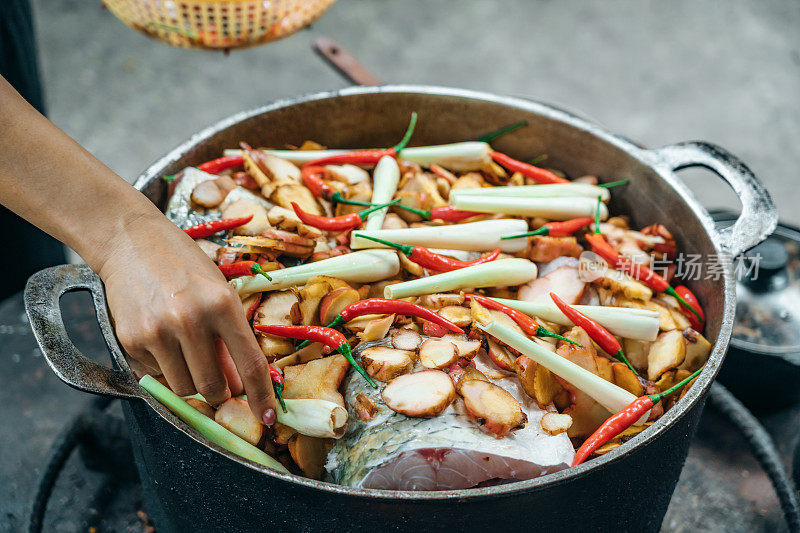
{"x":450,"y":451}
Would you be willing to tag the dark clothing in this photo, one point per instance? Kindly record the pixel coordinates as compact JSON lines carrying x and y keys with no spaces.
{"x":23,"y":248}
{"x":18,"y":63}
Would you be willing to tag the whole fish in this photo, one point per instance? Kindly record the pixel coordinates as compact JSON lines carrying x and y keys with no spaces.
{"x":450,"y":451}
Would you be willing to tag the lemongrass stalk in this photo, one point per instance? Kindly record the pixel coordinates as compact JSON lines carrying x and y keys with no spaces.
{"x":365,"y":266}
{"x":384,"y":184}
{"x":205,"y":426}
{"x":604,"y":392}
{"x":497,"y":273}
{"x":558,"y":208}
{"x":461,"y":255}
{"x":458,"y":157}
{"x":629,"y":323}
{"x":298,"y":157}
{"x":556,"y":190}
{"x":472,"y":237}
{"x":313,"y":417}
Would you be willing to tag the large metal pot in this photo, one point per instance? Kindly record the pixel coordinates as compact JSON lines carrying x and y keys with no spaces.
{"x":191,"y":484}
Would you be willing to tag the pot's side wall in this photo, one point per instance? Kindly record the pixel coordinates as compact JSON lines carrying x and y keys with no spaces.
{"x":190,"y":488}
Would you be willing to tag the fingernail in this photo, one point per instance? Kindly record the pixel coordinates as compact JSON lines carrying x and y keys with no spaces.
{"x":269,"y":417}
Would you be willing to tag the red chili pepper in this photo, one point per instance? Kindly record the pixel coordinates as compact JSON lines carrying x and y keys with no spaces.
{"x":525,"y":322}
{"x":382,"y":306}
{"x":601,"y":247}
{"x":340,"y":223}
{"x":448,"y":213}
{"x":243,"y":268}
{"x":368,"y":157}
{"x":277,"y":379}
{"x":431,"y":260}
{"x":691,"y":299}
{"x":327,"y":336}
{"x":537,"y":174}
{"x":206,"y":229}
{"x":215,"y":166}
{"x":596,"y":332}
{"x":451,"y":214}
{"x":556,"y":229}
{"x":624,"y":419}
{"x":356,"y":157}
{"x":312,"y":179}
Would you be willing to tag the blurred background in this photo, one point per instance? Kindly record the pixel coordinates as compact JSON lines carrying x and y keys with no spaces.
{"x":655,"y":72}
{"x":658,"y":73}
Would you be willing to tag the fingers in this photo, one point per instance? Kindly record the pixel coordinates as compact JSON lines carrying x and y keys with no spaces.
{"x":228,"y":367}
{"x":251,"y":365}
{"x":201,"y":360}
{"x":175,"y":371}
{"x":140,"y":369}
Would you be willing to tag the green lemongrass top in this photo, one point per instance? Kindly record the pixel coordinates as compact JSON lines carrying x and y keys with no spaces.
{"x":489,"y":137}
{"x":611,"y":184}
{"x":661,"y":395}
{"x":205,"y":426}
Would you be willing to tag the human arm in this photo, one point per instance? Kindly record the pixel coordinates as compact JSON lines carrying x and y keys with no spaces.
{"x":170,"y":304}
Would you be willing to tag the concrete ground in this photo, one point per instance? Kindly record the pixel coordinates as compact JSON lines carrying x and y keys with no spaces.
{"x":657,"y":72}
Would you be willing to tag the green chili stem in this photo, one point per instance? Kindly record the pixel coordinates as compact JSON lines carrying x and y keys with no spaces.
{"x":426,"y":214}
{"x":256,"y":270}
{"x":337,"y":198}
{"x":336,"y":322}
{"x":363,"y":214}
{"x":541,"y":231}
{"x":672,"y":292}
{"x":405,"y":248}
{"x":409,"y":132}
{"x":621,"y":356}
{"x":206,"y":426}
{"x":542,"y":332}
{"x":344,"y":349}
{"x":611,"y":184}
{"x":538,"y":159}
{"x":169,"y":178}
{"x":489,"y":137}
{"x":279,"y":395}
{"x":661,"y":395}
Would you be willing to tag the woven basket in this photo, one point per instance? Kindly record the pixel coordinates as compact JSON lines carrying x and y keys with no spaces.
{"x":217,"y":24}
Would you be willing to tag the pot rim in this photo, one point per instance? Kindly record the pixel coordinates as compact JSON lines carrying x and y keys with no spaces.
{"x":648,"y":158}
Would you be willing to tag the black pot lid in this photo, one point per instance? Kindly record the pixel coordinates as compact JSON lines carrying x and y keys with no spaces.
{"x":767,"y":291}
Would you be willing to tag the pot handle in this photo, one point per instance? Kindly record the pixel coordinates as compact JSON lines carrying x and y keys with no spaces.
{"x":42,"y":303}
{"x":759,"y":216}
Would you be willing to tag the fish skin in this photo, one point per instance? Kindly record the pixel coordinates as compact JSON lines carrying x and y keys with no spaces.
{"x":181,"y":212}
{"x":450,"y":451}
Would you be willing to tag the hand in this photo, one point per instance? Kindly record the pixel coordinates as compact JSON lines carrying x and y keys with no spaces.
{"x":171,"y":305}
{"x":169,"y":302}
